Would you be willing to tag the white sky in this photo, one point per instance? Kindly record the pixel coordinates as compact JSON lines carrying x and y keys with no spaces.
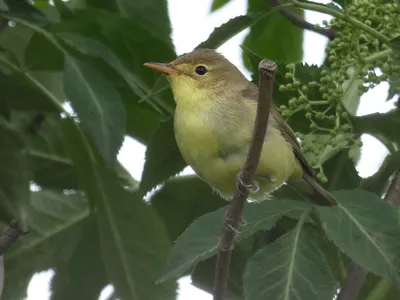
{"x":192,"y":24}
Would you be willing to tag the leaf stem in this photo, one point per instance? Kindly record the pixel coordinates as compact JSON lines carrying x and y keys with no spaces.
{"x":335,"y":13}
{"x":245,"y":179}
{"x":378,"y":55}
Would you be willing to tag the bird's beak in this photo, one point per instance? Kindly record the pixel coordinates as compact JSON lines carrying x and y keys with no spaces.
{"x":167,"y":69}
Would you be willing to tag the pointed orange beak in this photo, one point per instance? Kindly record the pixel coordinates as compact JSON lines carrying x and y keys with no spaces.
{"x":164,"y":68}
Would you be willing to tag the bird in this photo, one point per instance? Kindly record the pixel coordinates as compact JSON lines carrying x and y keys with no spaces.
{"x":213,"y":125}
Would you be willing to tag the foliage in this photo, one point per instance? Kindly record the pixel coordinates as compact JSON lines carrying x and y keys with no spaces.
{"x":94,"y":225}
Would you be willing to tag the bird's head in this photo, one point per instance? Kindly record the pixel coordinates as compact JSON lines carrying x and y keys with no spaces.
{"x":201,"y":73}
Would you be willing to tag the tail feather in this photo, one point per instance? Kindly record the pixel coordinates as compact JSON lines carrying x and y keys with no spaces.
{"x":308,"y":187}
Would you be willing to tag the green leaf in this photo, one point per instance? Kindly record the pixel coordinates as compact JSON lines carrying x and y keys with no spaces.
{"x":263,"y":40}
{"x":98,"y":105}
{"x":163,"y":158}
{"x":192,"y":195}
{"x":394,"y":81}
{"x":395,"y":44}
{"x":200,"y":239}
{"x":217,"y":4}
{"x":364,"y":226}
{"x":15,"y":40}
{"x":222,"y":34}
{"x":152,"y":15}
{"x":83,"y":276}
{"x":23,"y":9}
{"x":14,"y":173}
{"x":133,"y":241}
{"x":292,"y":267}
{"x":92,"y":47}
{"x":41,"y":54}
{"x":381,"y":125}
{"x":50,"y":214}
{"x":54,"y":221}
{"x":63,"y":9}
{"x":341,"y":172}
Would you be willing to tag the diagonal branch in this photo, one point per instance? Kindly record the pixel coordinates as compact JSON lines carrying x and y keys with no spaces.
{"x":356,"y":275}
{"x":245,"y":178}
{"x":300,"y":22}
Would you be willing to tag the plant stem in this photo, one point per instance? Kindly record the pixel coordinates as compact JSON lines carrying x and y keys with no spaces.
{"x":378,"y":55}
{"x":335,"y":13}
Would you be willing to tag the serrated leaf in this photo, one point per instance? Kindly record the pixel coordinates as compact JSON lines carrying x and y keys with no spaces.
{"x":163,"y":158}
{"x":217,"y":4}
{"x":49,"y":214}
{"x":92,"y":47}
{"x":54,"y":220}
{"x":175,"y":193}
{"x":263,"y":35}
{"x":14,"y":173}
{"x":83,"y":276}
{"x":200,"y":239}
{"x":131,"y":233}
{"x":98,"y":105}
{"x":381,"y":125}
{"x":134,"y":242}
{"x":292,"y":267}
{"x":222,"y":34}
{"x":363,"y":226}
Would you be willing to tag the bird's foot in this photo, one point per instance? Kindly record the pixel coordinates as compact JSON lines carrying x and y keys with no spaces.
{"x":253,"y":188}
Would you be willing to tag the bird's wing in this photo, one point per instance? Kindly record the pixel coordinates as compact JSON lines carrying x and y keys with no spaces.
{"x":251,"y":93}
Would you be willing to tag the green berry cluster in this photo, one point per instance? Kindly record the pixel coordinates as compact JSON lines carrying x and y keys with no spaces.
{"x":354,"y":58}
{"x":354,"y":47}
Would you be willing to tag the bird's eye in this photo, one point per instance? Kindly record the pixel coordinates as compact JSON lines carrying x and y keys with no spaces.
{"x":201,"y":70}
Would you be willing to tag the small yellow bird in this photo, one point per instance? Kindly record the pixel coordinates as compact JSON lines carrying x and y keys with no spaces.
{"x":214,"y":121}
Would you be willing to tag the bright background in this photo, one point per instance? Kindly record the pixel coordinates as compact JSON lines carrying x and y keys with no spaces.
{"x":191,"y":24}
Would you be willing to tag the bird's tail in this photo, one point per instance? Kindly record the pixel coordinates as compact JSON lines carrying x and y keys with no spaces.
{"x":308,"y":187}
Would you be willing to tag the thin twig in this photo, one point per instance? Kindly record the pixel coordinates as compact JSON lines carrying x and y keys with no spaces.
{"x":300,"y":22}
{"x":245,"y":178}
{"x":356,"y":276}
{"x":10,"y":235}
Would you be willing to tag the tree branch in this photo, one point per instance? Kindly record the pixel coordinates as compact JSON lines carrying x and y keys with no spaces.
{"x":356,"y":275}
{"x":245,"y":178}
{"x":10,"y":235}
{"x":300,"y":22}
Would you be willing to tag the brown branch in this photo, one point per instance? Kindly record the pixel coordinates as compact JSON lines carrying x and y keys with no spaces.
{"x":356,"y":276}
{"x":10,"y":235}
{"x":244,"y":179}
{"x":300,"y":22}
